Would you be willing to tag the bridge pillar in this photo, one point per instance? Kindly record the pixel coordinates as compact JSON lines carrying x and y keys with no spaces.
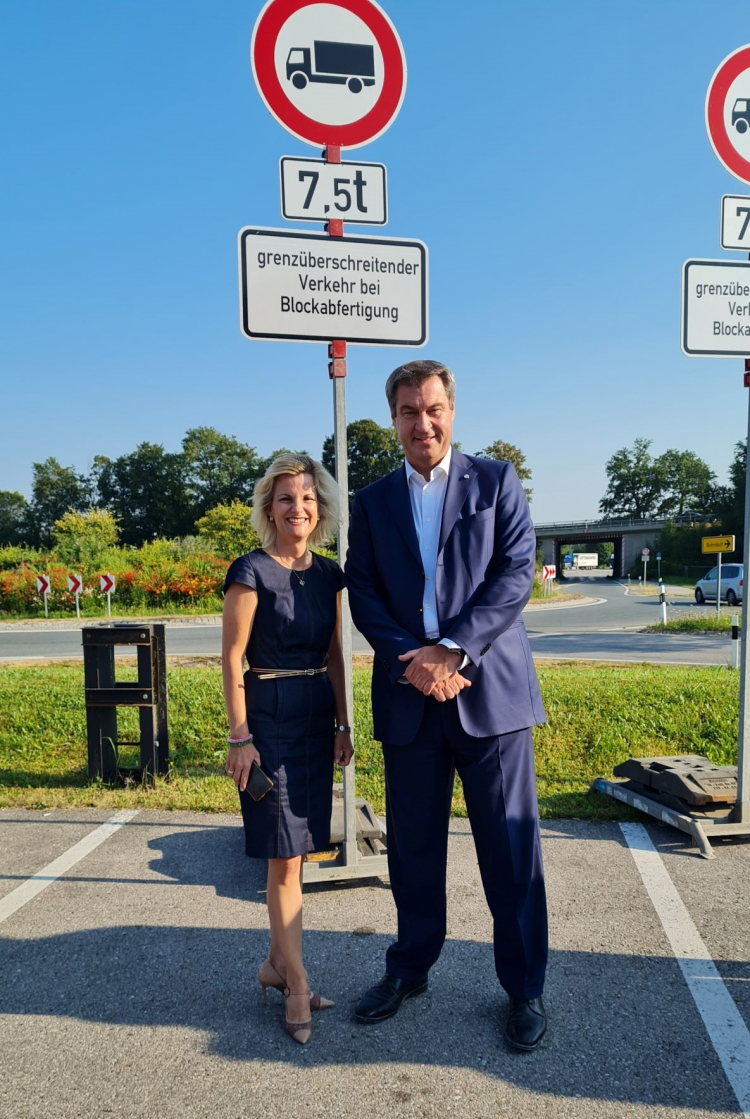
{"x":633,"y":545}
{"x":547,"y":544}
{"x":618,"y":565}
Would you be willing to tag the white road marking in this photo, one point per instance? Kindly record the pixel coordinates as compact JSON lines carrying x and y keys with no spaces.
{"x":609,"y":657}
{"x":29,"y":889}
{"x":724,"y":1024}
{"x":530,"y":607}
{"x":36,"y":631}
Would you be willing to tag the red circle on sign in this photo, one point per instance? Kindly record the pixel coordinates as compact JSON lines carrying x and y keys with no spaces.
{"x":311,"y":131}
{"x":732,"y":66}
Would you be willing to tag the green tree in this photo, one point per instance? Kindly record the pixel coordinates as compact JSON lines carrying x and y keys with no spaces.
{"x":687,"y":480}
{"x":508,"y":452}
{"x":14,"y":513}
{"x":373,"y":451}
{"x":635,"y":483}
{"x":55,"y":489}
{"x":219,"y":469}
{"x":227,"y":530}
{"x":147,"y":492}
{"x":729,"y":500}
{"x":83,"y":537}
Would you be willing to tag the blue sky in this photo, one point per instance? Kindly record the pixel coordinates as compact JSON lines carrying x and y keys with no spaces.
{"x":553,"y":157}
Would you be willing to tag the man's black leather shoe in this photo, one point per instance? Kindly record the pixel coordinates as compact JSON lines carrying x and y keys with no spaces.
{"x":384,"y":999}
{"x":526,"y":1025}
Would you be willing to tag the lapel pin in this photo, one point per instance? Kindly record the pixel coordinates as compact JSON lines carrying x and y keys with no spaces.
{"x":466,"y":475}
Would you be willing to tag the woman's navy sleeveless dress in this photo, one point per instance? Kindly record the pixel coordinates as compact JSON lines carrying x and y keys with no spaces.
{"x":292,"y":720}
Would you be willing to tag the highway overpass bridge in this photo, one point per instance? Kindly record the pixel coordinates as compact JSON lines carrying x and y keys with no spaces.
{"x":628,"y":534}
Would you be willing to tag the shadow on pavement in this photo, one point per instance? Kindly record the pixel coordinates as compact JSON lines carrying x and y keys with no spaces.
{"x":622,"y":1029}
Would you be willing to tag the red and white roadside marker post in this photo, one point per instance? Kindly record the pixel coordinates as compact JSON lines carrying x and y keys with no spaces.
{"x":333,"y":74}
{"x":75,"y":583}
{"x":106,"y":586}
{"x":42,"y":586}
{"x":549,"y":573}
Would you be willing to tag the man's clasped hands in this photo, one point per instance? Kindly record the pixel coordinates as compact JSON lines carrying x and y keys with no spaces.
{"x":434,"y":670}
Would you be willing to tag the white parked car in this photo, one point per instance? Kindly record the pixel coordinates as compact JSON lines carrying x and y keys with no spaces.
{"x":731,"y":584}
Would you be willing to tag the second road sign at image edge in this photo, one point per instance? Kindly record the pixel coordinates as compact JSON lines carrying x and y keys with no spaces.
{"x":730,"y":134}
{"x":715,"y":308}
{"x":735,"y":222}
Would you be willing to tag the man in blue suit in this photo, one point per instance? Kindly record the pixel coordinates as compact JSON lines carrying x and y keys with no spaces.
{"x":440,"y":565}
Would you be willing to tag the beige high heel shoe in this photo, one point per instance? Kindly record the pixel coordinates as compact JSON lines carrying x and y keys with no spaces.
{"x":268,"y":976}
{"x":298,"y":1031}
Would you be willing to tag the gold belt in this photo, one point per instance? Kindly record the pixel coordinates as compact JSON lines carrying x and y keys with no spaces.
{"x":274,"y":673}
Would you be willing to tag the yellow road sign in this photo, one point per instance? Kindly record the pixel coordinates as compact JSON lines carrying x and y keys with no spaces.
{"x":717,"y":544}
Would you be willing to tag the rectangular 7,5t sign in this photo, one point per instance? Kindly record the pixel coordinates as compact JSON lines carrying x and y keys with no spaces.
{"x":314,"y":190}
{"x":735,"y":222}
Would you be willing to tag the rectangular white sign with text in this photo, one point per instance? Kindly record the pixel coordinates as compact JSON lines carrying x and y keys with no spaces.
{"x":308,"y":287}
{"x":716,"y":308}
{"x":313,"y":190}
{"x":735,"y":222}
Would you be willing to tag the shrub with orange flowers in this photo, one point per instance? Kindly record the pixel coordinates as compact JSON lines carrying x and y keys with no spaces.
{"x":163,"y":574}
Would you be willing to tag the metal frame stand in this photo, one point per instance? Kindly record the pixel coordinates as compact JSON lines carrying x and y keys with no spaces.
{"x":103,"y":696}
{"x":737,"y":820}
{"x":350,"y":861}
{"x":701,"y":829}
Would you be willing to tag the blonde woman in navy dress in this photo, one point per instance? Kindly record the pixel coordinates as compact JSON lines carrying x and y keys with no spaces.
{"x":287,"y":712}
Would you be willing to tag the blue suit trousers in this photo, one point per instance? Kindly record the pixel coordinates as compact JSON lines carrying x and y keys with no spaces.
{"x":500,"y":790}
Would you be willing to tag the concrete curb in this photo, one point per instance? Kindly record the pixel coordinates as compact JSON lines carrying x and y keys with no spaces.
{"x":63,"y":625}
{"x":564,"y":605}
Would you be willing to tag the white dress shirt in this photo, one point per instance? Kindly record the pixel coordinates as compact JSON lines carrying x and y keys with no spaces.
{"x":427,"y":501}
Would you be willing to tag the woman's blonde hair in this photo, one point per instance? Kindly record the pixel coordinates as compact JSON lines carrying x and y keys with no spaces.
{"x":326,"y":492}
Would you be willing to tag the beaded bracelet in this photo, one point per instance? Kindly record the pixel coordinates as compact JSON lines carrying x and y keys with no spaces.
{"x":240,"y":741}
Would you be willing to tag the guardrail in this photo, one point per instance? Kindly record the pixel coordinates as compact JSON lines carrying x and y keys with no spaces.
{"x":628,"y":522}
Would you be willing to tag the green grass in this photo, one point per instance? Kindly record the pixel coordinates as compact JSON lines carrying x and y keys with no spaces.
{"x":598,"y":716}
{"x":702,"y":623}
{"x":538,"y":593}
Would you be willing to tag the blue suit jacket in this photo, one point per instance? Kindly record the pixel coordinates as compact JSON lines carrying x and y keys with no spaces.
{"x":484,"y":577}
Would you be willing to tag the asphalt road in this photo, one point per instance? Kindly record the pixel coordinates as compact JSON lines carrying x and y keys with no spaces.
{"x":600,"y":630}
{"x":608,"y":630}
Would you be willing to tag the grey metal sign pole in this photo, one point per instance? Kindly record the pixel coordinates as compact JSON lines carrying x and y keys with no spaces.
{"x":354,"y":864}
{"x":342,"y":477}
{"x":742,"y":807}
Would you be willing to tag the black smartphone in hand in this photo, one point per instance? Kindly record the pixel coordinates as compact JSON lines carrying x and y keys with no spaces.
{"x":258,"y":783}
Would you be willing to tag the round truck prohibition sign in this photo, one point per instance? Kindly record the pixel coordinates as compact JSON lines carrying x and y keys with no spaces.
{"x":728,"y":113}
{"x":332,"y":72}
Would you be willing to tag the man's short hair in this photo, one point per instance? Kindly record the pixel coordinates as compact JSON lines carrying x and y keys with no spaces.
{"x":413,"y":374}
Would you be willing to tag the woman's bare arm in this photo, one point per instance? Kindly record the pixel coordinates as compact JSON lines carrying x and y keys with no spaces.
{"x":240,"y":604}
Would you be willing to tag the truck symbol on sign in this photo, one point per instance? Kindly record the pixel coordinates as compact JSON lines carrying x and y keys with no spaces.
{"x":741,"y":114}
{"x":349,"y":64}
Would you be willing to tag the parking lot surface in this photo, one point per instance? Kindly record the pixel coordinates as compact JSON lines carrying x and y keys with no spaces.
{"x":128,"y":981}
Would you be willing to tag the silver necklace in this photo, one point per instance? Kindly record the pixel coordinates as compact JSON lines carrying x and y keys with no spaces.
{"x":300,"y":575}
